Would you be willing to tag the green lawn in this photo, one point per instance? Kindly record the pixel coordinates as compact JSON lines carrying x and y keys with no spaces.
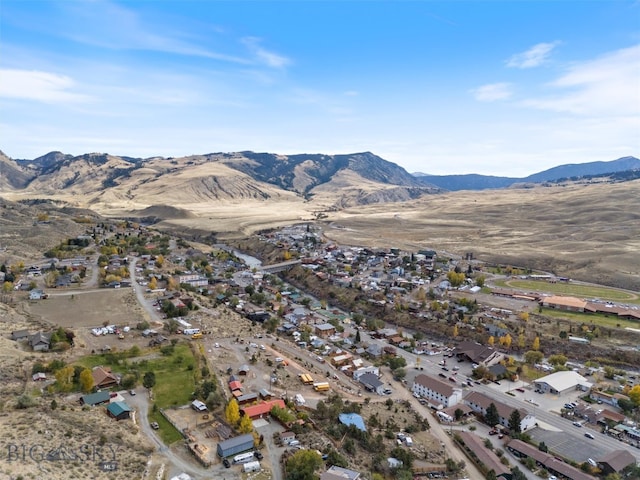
{"x":168,"y":432}
{"x":174,"y":379}
{"x":174,"y":372}
{"x":582,"y":291}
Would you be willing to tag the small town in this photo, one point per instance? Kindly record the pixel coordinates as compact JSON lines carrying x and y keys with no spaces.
{"x":339,"y":361}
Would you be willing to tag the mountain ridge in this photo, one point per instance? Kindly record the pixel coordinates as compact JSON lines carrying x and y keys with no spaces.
{"x":475,"y":181}
{"x":353,"y":179}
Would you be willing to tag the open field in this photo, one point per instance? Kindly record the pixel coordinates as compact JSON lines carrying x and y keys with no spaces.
{"x":612,"y":321}
{"x":574,"y":289}
{"x":585,"y":232}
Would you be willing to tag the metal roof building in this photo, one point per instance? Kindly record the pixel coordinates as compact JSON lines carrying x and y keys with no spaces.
{"x":235,"y":445}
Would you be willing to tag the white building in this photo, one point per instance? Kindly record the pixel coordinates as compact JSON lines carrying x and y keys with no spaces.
{"x":479,"y":402}
{"x":436,"y":391}
{"x":562,"y":382}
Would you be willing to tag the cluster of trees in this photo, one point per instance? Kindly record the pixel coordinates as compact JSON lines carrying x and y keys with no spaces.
{"x":232,"y":414}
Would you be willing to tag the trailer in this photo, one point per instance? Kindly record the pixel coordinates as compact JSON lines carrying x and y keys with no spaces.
{"x":191,"y":331}
{"x":299,"y":400}
{"x":251,"y":466}
{"x":243,"y":458}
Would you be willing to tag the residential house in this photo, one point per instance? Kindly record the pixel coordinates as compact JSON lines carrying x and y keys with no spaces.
{"x":37,"y":294}
{"x":372,"y":383}
{"x":119,"y":410}
{"x":287,"y":437}
{"x":339,"y":473}
{"x":261,"y":409}
{"x":20,"y":335}
{"x":609,"y":399}
{"x":39,"y":377}
{"x":97,"y":398}
{"x":325,"y":330}
{"x":436,"y":391}
{"x":103,"y":378}
{"x":374,"y":350}
{"x":476,"y":353}
{"x":479,"y":402}
{"x":40,"y":342}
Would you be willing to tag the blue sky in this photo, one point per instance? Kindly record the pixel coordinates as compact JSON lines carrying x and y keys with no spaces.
{"x":503,"y":88}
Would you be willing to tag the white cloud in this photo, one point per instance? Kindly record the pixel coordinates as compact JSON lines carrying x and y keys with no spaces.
{"x":105,"y":24}
{"x":605,"y":86}
{"x":263,"y":55}
{"x":38,"y":85}
{"x":534,"y":57}
{"x":493,"y":92}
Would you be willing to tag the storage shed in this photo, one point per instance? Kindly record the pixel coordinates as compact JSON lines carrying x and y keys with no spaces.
{"x":235,"y":445}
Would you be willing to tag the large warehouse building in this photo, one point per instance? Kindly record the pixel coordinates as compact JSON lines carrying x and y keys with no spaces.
{"x":562,"y":382}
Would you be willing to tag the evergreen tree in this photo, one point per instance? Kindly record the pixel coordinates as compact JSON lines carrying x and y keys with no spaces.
{"x":514,"y":422}
{"x":492,"y":417}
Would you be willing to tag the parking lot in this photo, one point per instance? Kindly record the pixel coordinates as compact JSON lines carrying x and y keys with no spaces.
{"x":566,"y":446}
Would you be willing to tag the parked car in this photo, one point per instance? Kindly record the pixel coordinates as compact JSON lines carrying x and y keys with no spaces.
{"x":493,"y":432}
{"x":577,"y":424}
{"x":226,"y":463}
{"x":589,"y":435}
{"x":132,"y":392}
{"x":155,"y":425}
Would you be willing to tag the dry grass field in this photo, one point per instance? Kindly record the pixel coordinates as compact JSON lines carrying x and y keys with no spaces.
{"x":591,"y":233}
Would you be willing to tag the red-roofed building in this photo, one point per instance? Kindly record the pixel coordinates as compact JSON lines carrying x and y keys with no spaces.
{"x":235,"y":385}
{"x":261,"y":409}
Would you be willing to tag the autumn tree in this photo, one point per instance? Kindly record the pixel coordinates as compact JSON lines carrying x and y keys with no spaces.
{"x":246,"y":425}
{"x":455,"y":279}
{"x":506,"y":341}
{"x":64,"y":378}
{"x":536,"y":344}
{"x":634,"y":395}
{"x":86,"y":380}
{"x":524,"y":316}
{"x":159,"y":261}
{"x":232,"y":412}
{"x":557,"y":359}
{"x":491,"y":341}
{"x":153,"y":283}
{"x":454,"y":333}
{"x":521,"y":341}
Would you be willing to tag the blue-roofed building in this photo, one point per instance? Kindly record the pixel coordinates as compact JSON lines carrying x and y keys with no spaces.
{"x":235,"y":445}
{"x":119,"y":410}
{"x":352,"y":419}
{"x":97,"y":398}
